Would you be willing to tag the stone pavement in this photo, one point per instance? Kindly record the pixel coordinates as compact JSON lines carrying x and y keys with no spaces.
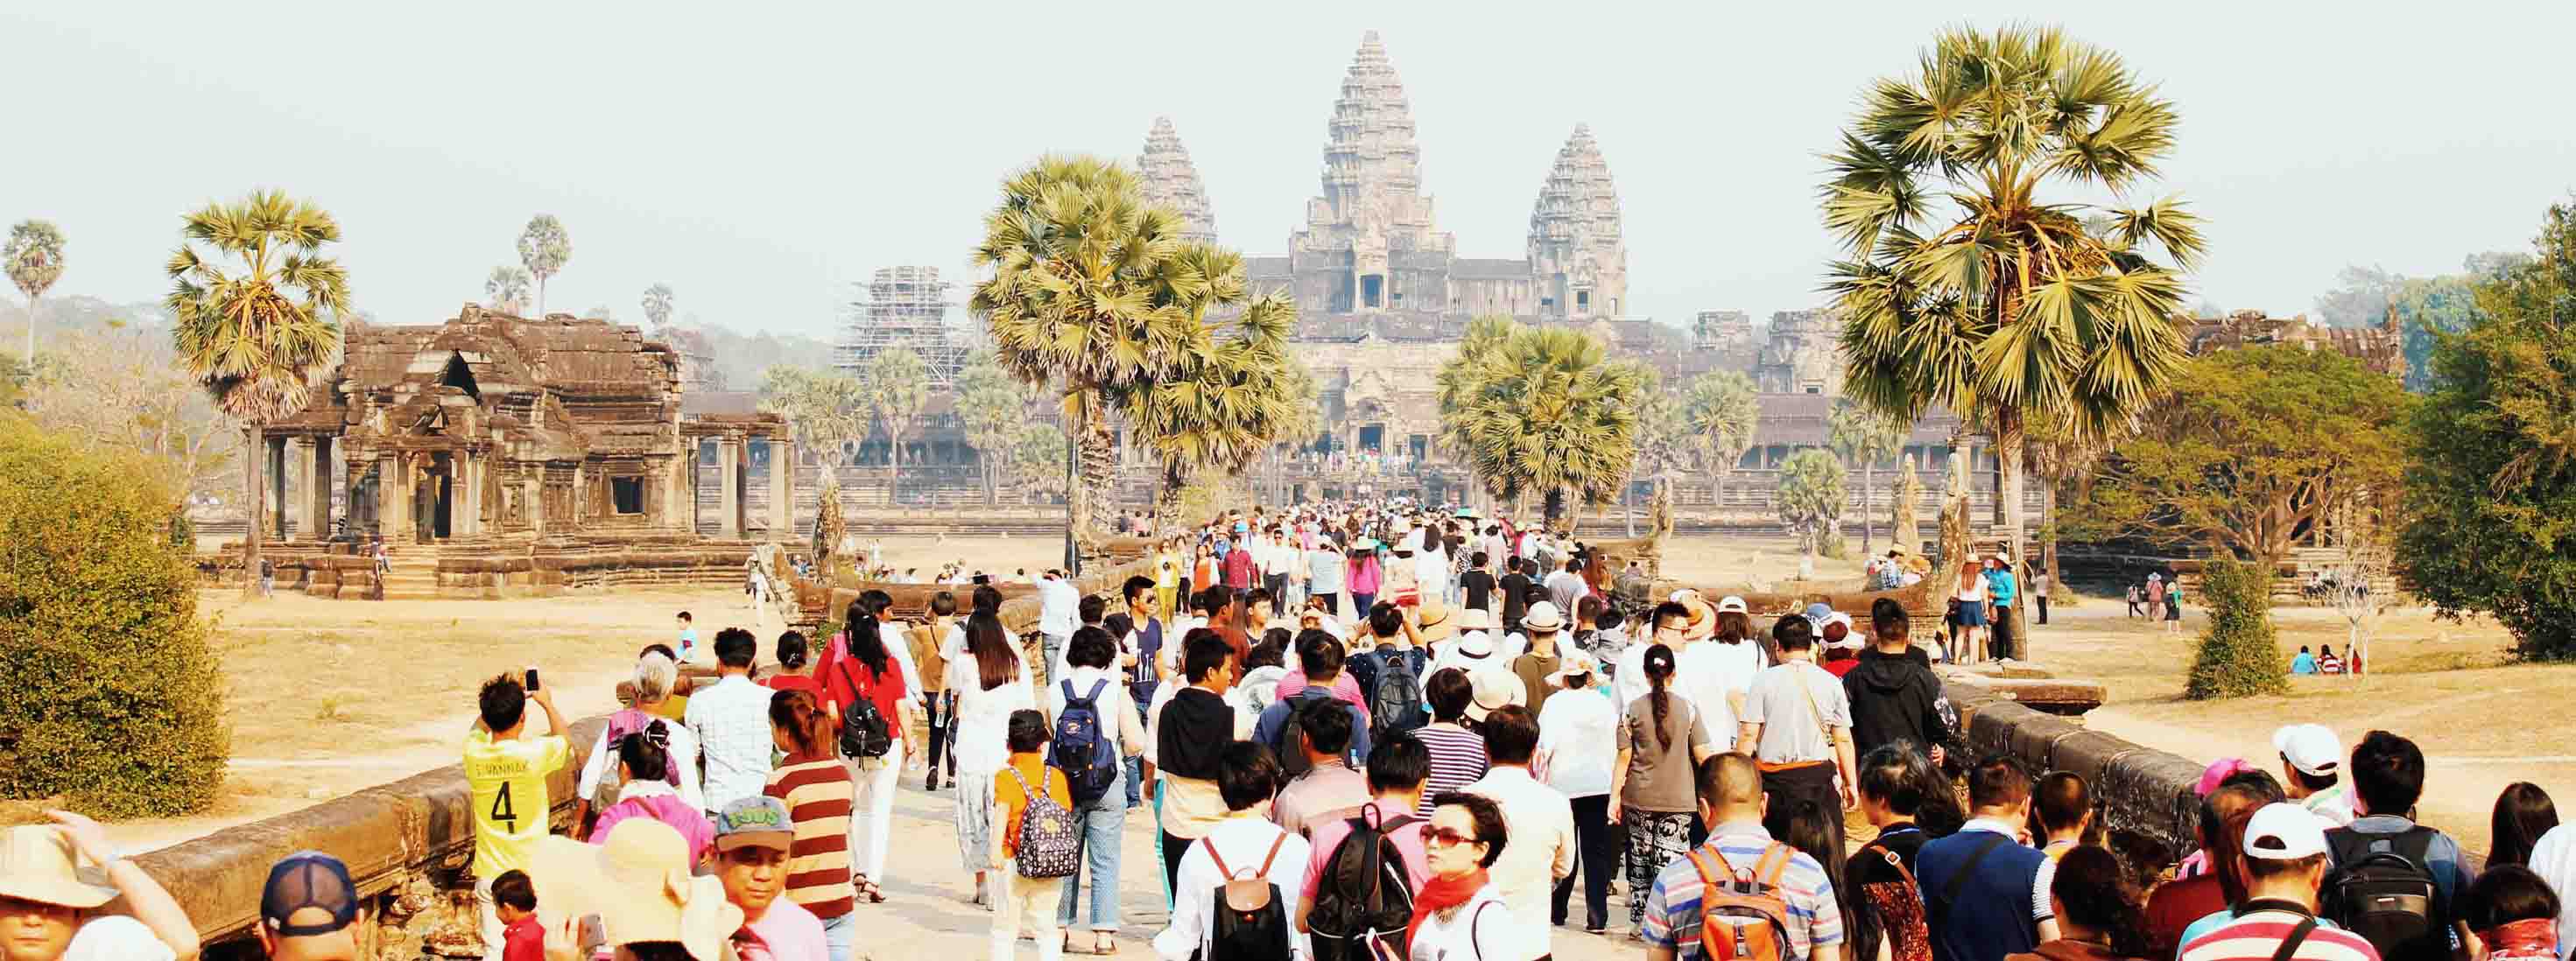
{"x":926,"y":914}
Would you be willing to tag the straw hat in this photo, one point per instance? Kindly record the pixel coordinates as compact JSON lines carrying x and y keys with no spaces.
{"x":1702,"y":623}
{"x":1435,"y":625}
{"x":638,"y":882}
{"x":1543,"y":616}
{"x":38,"y":863}
{"x":1577,"y":663}
{"x":1475,"y":619}
{"x":1495,"y":690}
{"x":1475,"y":645}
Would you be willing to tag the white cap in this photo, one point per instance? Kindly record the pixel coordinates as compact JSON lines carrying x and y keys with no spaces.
{"x":2284,"y":832}
{"x":2312,"y":748}
{"x":1851,"y":640}
{"x":1730,"y":604}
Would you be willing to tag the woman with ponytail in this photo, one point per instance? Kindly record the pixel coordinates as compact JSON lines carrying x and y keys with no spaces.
{"x":990,"y":681}
{"x":1653,"y":788}
{"x":644,"y":761}
{"x":817,"y":790}
{"x":2098,"y":918}
{"x":868,"y":670}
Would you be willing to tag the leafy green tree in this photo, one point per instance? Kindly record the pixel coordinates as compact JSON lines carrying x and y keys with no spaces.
{"x":898,"y":384}
{"x":1967,"y":285}
{"x":2238,"y":655}
{"x":1866,"y":437}
{"x":2254,"y":448}
{"x":2359,"y":297}
{"x":1547,"y":412}
{"x":34,"y":259}
{"x":507,"y":289}
{"x":1037,"y":460}
{"x":991,"y":407}
{"x":1665,"y":443}
{"x":657,"y":306}
{"x":1811,"y":498}
{"x":1222,"y":409}
{"x":2491,"y":476}
{"x":258,"y":320}
{"x":1080,"y":292}
{"x":544,"y":247}
{"x":115,"y":698}
{"x":1722,"y":411}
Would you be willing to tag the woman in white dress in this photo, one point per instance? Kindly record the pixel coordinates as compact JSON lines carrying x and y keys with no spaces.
{"x":990,"y":682}
{"x":1459,"y":915}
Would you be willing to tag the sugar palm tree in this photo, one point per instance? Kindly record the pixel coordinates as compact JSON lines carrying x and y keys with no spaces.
{"x":1811,"y":502}
{"x":257,"y":319}
{"x":1545,"y":411}
{"x":1075,"y":255}
{"x":1721,"y":409}
{"x":507,"y":289}
{"x":1228,"y":407}
{"x":543,"y":249}
{"x":829,"y":412}
{"x":1866,"y":437}
{"x":34,"y":259}
{"x":657,"y":306}
{"x":1964,"y":286}
{"x":898,"y":384}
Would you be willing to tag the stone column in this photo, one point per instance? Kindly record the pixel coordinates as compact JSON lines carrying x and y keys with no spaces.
{"x":468,"y":519}
{"x":299,"y":462}
{"x":729,"y":489}
{"x":317,"y":513}
{"x":532,"y":499}
{"x":393,"y":498}
{"x":782,"y":489}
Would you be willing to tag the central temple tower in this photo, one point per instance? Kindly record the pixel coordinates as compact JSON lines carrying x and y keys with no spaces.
{"x":1370,"y":242}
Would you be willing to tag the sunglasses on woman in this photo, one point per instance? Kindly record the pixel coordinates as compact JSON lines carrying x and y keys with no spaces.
{"x":1445,"y":837}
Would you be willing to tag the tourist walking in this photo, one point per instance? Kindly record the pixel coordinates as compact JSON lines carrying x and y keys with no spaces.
{"x":1578,"y":734}
{"x":1977,"y":883}
{"x":1459,"y":914}
{"x":645,"y":791}
{"x":2284,"y":860}
{"x":1883,"y":910}
{"x":2387,"y":781}
{"x":1716,"y":670}
{"x":1239,"y":846}
{"x":1730,"y":797}
{"x":2096,"y":910}
{"x":1797,"y":723}
{"x":1026,"y":891}
{"x":1457,"y":754}
{"x":1653,"y":791}
{"x":1541,"y":823}
{"x":1545,"y":625}
{"x":600,"y":782}
{"x":1096,"y":726}
{"x":991,"y":682}
{"x":814,"y":787}
{"x":731,"y":721}
{"x":1190,"y":733}
{"x":939,"y":704}
{"x":867,"y":683}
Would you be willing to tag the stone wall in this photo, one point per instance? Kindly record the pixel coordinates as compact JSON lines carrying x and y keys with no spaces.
{"x":2139,"y":789}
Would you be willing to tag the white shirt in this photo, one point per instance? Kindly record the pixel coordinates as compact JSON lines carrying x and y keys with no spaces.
{"x":1707,"y":671}
{"x":1125,"y":731}
{"x":1431,"y":571}
{"x":1541,"y":850}
{"x":898,"y":645}
{"x":1058,"y":604}
{"x":731,"y":720}
{"x":116,"y":937}
{"x":1482,"y":930}
{"x":684,"y":755}
{"x":1578,"y":734}
{"x":1242,"y":840}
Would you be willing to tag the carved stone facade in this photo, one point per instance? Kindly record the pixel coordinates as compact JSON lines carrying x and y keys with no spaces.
{"x":1379,"y":395}
{"x":1576,"y":246}
{"x":1800,"y":356}
{"x":1730,"y":330}
{"x":1171,"y":180}
{"x":2382,"y":348}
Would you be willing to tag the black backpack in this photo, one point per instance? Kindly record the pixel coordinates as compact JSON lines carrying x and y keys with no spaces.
{"x":2381,"y":888}
{"x":1364,"y":901}
{"x":1250,"y":923}
{"x":1079,"y":749}
{"x":864,"y":732}
{"x":1290,"y":749}
{"x":1395,"y":706}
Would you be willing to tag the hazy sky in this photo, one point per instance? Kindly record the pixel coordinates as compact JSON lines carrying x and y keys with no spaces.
{"x":761,"y":158}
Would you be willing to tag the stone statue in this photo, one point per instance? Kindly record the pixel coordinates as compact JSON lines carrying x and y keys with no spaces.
{"x":1954,"y":512}
{"x":828,"y":527}
{"x":1902,"y":524}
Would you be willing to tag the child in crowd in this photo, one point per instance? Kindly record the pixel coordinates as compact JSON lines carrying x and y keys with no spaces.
{"x":688,"y":637}
{"x":2514,"y":914}
{"x":514,"y":897}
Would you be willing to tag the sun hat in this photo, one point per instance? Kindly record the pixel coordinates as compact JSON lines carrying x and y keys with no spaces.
{"x":637,"y":880}
{"x":2312,"y":748}
{"x":1475,"y":645}
{"x":1816,"y":613}
{"x":1435,"y":623}
{"x":1731,"y":604}
{"x":1851,"y":640}
{"x":38,"y":863}
{"x":304,"y":880}
{"x":2218,"y":771}
{"x":1702,"y":623}
{"x":1577,"y":663}
{"x":1543,"y":616}
{"x":1495,"y":690}
{"x":2281,"y":831}
{"x":1474,"y":619}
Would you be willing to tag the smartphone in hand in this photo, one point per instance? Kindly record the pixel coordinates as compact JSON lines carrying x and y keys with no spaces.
{"x":532,"y":680}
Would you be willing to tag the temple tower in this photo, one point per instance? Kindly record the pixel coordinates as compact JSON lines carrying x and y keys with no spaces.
{"x":1370,"y":243}
{"x":1576,"y":248}
{"x":1171,"y":180}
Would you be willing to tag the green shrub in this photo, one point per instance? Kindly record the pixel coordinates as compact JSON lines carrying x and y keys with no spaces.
{"x":113,"y":696}
{"x":2238,"y":655}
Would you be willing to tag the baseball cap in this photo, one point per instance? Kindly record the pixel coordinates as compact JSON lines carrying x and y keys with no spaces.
{"x":757,"y":820}
{"x":304,"y":880}
{"x":1730,"y":604}
{"x":2284,"y":832}
{"x":2312,"y":748}
{"x":1816,"y":613}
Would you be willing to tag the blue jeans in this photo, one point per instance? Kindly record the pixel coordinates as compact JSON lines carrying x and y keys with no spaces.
{"x":836,"y":936}
{"x":1135,"y":777}
{"x":1103,"y":821}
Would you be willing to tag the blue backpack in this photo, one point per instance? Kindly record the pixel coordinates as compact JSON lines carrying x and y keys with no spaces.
{"x":1085,"y":756}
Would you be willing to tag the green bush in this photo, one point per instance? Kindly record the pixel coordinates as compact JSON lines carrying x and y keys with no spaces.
{"x":2238,"y":655}
{"x":112,"y":696}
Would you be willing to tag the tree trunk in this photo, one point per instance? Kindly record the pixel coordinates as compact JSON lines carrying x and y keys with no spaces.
{"x":1555,"y":509}
{"x":1807,"y":551}
{"x":1077,"y":495}
{"x":1627,"y":506}
{"x":31,"y":335}
{"x":254,"y":468}
{"x":894,"y":467}
{"x":1868,"y":485}
{"x":541,"y":296}
{"x":2009,"y":452}
{"x":2049,"y":507}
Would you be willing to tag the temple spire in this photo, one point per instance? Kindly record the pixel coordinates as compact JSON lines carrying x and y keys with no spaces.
{"x":1170,"y":179}
{"x":1576,"y":242}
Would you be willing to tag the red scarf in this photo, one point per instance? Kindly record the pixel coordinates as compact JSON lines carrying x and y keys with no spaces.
{"x":1441,"y":893}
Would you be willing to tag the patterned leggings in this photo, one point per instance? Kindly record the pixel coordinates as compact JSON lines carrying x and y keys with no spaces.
{"x":1655,"y":839}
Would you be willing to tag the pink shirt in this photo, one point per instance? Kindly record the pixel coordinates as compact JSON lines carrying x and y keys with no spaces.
{"x":787,"y":932}
{"x":1345,"y":688}
{"x":1328,"y":837}
{"x":656,"y":801}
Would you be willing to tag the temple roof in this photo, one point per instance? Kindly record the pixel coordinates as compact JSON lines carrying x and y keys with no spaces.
{"x":1171,"y":179}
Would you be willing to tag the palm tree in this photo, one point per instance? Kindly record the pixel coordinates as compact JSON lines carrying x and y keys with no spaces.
{"x":990,"y":409}
{"x":1665,"y":444}
{"x":507,"y":289}
{"x":1545,"y":411}
{"x":1811,"y":501}
{"x":1458,"y":381}
{"x":34,"y":258}
{"x":1722,"y":411}
{"x":543,"y":249}
{"x":1228,"y":407}
{"x":257,"y":337}
{"x":2001,"y":305}
{"x":657,"y":306}
{"x":1866,"y":437}
{"x":1076,"y":256}
{"x":898,"y":384}
{"x":1036,"y":458}
{"x":829,"y":411}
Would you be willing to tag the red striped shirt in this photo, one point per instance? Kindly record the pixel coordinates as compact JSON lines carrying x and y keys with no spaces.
{"x":817,"y":792}
{"x":2258,"y":935}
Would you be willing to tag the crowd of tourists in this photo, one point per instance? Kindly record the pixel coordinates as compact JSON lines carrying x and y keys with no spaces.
{"x":1373,"y":731}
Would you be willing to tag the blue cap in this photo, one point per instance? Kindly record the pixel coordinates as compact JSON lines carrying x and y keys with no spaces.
{"x":307,"y":879}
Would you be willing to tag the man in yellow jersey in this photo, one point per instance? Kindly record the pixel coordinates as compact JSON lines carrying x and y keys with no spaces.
{"x":506,"y":766}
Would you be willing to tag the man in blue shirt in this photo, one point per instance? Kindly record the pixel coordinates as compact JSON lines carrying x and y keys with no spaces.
{"x":1144,"y":645}
{"x":1320,"y":656}
{"x":1978,"y":884}
{"x":2002,"y":591}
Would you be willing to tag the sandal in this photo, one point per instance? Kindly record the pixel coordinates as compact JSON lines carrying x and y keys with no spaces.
{"x":1106,"y":945}
{"x":869,"y":893}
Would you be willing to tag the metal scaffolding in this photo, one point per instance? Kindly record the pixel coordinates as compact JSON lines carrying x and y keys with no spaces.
{"x":907,"y":306}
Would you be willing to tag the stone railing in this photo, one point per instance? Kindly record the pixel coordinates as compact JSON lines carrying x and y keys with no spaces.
{"x":2138,"y":789}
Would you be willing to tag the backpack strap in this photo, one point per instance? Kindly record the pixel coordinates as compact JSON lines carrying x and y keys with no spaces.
{"x":1472,"y":921}
{"x":1774,"y":863}
{"x":1221,"y":870}
{"x":1959,"y":882}
{"x":2298,"y":936}
{"x":1096,"y":687}
{"x":1894,"y":861}
{"x":1267,"y":858}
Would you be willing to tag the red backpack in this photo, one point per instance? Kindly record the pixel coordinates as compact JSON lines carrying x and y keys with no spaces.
{"x":1743,"y":915}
